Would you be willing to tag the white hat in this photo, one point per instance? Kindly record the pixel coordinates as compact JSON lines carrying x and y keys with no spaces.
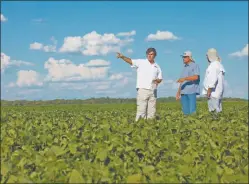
{"x":188,"y":53}
{"x":212,"y":54}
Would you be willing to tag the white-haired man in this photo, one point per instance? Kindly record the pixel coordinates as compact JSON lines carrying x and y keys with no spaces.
{"x":149,"y":75}
{"x":213,"y":86}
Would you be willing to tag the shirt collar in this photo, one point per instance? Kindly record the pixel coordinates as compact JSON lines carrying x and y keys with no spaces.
{"x":188,"y":64}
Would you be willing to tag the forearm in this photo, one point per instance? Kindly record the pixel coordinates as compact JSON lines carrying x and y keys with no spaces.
{"x":179,"y":89}
{"x":192,"y":78}
{"x":127,"y":60}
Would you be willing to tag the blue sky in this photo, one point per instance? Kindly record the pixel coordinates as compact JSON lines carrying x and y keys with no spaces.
{"x":67,"y":50}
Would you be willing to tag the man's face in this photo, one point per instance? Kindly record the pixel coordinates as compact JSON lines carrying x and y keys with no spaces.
{"x":186,"y":59}
{"x":151,"y":56}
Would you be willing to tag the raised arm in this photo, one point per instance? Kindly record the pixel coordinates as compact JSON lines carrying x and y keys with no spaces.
{"x":126,"y":59}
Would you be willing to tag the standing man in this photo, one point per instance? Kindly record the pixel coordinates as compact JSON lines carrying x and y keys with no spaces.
{"x":149,"y":75}
{"x":189,"y":84}
{"x":214,"y":81}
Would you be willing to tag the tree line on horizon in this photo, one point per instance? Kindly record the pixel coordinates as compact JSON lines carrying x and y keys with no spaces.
{"x":102,"y":100}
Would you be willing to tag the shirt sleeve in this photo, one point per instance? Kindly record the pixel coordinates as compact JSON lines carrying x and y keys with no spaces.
{"x":135,"y":63}
{"x":212,"y":76}
{"x":160,"y":74}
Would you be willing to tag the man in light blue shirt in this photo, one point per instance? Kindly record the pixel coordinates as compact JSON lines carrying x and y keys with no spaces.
{"x":189,"y":84}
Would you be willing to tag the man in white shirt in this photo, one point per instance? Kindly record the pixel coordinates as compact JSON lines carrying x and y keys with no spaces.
{"x":214,"y":81}
{"x":149,"y":75}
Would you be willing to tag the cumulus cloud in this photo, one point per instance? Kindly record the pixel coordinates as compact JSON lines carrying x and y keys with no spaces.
{"x":7,"y":62}
{"x":27,"y":78}
{"x":45,"y":48}
{"x":65,"y":70}
{"x":241,"y":53}
{"x":94,"y":43}
{"x":36,"y":46}
{"x":71,"y":44}
{"x":98,"y":62}
{"x":40,"y":46}
{"x":116,"y":76}
{"x":162,"y":35}
{"x":132,"y":33}
{"x":3,"y":18}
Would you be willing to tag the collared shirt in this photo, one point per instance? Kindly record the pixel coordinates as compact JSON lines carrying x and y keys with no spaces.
{"x":214,"y":78}
{"x":190,"y":87}
{"x":146,"y":73}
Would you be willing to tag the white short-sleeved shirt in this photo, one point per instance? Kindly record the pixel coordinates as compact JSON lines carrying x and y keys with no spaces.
{"x":146,"y":73}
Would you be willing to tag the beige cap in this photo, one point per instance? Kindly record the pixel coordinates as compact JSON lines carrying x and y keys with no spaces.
{"x":188,"y":53}
{"x":212,"y":54}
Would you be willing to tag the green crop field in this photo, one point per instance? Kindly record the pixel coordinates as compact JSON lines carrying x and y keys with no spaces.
{"x":103,"y":144}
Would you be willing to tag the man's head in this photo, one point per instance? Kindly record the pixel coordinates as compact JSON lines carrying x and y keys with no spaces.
{"x":187,"y":57}
{"x":151,"y":54}
{"x":212,"y":55}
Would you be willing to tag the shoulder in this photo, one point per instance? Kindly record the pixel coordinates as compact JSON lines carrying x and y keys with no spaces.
{"x":137,"y":62}
{"x":213,"y":66}
{"x":194,"y":64}
{"x":194,"y":67}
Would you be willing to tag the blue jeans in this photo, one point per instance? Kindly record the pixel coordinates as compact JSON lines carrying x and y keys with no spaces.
{"x":188,"y":102}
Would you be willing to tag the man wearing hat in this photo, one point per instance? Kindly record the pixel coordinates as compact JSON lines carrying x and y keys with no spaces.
{"x":213,"y":86}
{"x":189,"y":84}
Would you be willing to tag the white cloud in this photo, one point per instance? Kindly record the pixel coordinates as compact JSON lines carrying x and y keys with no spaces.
{"x":162,"y":35}
{"x":36,"y":46}
{"x":241,"y":53}
{"x":45,"y":48}
{"x":6,"y":62}
{"x":28,"y":78}
{"x":3,"y":19}
{"x":116,"y":77}
{"x":40,"y":46}
{"x":49,"y":48}
{"x":132,"y":33}
{"x":65,"y":70}
{"x":71,"y":44}
{"x":94,"y":44}
{"x":98,"y":62}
